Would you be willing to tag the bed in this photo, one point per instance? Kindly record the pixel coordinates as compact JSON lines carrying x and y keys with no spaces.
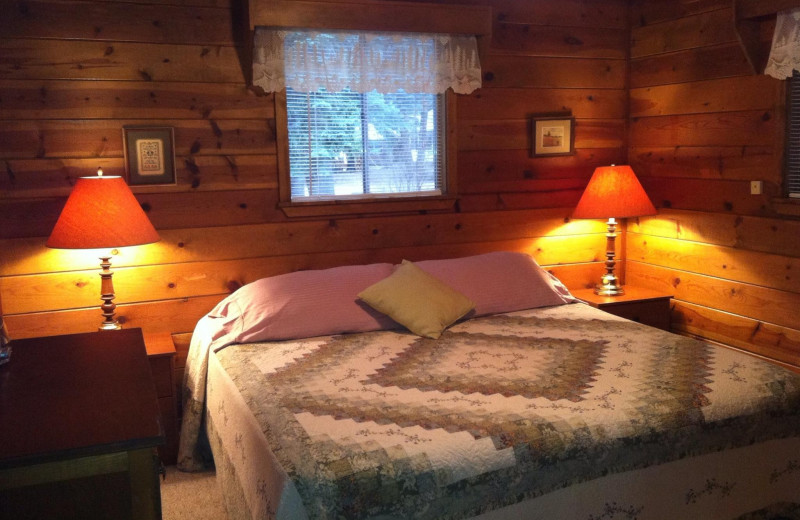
{"x":477,"y":388}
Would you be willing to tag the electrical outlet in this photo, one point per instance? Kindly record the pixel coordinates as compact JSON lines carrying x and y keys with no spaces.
{"x":755,"y":187}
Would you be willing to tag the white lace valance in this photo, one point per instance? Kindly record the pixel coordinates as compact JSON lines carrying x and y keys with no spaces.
{"x":784,"y":56}
{"x":416,"y":63}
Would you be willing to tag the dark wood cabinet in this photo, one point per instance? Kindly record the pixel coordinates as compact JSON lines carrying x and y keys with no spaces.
{"x":80,"y":424}
{"x":638,"y":304}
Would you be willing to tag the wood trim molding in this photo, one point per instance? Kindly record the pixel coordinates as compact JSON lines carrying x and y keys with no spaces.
{"x":787,"y":207}
{"x":373,"y":16}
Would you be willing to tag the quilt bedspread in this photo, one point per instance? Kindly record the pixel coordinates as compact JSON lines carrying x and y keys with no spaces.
{"x":499,"y":409}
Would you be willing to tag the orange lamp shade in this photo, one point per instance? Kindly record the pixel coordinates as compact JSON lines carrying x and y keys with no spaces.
{"x":614,"y":192}
{"x":101,"y":212}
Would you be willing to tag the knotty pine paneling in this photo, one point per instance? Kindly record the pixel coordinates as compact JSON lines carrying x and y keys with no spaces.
{"x":150,"y":100}
{"x":736,"y":94}
{"x":48,"y":292}
{"x":713,"y":162}
{"x":709,"y":195}
{"x":567,"y":13}
{"x":745,"y":128}
{"x":504,"y":70}
{"x":26,"y":256}
{"x":68,"y":88}
{"x":704,"y":63}
{"x":103,"y":137}
{"x":55,"y":177}
{"x":688,"y":32}
{"x":189,"y":3}
{"x":515,"y":134}
{"x":586,"y":42}
{"x":517,"y":165}
{"x":102,"y":61}
{"x":765,"y":339}
{"x":752,"y":233}
{"x":776,"y":306}
{"x":509,"y":103}
{"x":702,"y":127}
{"x":112,"y":21}
{"x":731,"y":263}
{"x":648,"y":12}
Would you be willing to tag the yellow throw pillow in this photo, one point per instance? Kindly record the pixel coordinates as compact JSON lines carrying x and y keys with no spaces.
{"x":422,"y":303}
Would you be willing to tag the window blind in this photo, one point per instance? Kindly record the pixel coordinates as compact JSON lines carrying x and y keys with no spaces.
{"x":349,"y":144}
{"x":792,"y":179}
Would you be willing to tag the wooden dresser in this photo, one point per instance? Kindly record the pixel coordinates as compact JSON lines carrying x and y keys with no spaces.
{"x":80,"y":424}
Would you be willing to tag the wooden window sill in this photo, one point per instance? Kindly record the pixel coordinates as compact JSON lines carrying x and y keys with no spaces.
{"x":787,"y":207}
{"x":368,"y":206}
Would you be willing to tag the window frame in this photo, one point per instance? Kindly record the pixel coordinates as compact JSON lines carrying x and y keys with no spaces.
{"x":784,"y":204}
{"x":377,"y":204}
{"x":792,"y":119}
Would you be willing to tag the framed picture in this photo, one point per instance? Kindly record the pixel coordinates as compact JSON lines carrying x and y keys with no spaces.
{"x":553,"y":136}
{"x":149,"y":155}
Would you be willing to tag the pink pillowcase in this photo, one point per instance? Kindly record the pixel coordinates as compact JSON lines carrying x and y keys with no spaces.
{"x":322,"y":302}
{"x":503,"y":281}
{"x":302,"y":304}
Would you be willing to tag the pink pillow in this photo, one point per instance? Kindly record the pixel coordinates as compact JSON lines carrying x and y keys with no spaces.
{"x":503,"y":281}
{"x":302,"y":304}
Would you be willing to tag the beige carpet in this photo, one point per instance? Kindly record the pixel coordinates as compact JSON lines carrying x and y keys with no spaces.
{"x":191,"y":496}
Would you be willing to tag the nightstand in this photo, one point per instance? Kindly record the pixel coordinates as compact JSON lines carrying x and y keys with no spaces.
{"x":161,"y":354}
{"x":80,"y":425}
{"x":646,"y":306}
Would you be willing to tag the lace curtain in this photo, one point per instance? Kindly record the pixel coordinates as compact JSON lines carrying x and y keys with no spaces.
{"x":785,"y":53}
{"x":417,"y":63}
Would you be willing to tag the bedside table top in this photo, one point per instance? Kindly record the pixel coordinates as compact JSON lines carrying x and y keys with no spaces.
{"x":76,"y":395}
{"x":632,"y":294}
{"x":159,"y":344}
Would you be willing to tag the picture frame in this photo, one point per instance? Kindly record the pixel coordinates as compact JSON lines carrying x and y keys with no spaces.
{"x":552,"y":136}
{"x":149,"y":155}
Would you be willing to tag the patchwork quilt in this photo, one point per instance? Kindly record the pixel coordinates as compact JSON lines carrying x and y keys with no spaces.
{"x":505,"y":413}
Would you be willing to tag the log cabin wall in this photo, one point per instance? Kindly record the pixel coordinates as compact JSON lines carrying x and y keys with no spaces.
{"x":702,"y":127}
{"x":74,"y":72}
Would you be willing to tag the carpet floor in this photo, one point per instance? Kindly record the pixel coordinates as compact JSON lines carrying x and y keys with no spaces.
{"x":191,"y":496}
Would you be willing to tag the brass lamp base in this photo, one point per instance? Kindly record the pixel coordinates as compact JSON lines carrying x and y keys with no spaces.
{"x":114,"y":325}
{"x":609,"y":284}
{"x":107,"y":295}
{"x":609,"y":287}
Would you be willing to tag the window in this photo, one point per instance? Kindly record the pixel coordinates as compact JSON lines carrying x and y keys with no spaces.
{"x":364,"y":116}
{"x":792,"y":176}
{"x":352,"y":145}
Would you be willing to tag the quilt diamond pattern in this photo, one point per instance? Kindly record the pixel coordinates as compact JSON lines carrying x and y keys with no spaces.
{"x":499,"y":408}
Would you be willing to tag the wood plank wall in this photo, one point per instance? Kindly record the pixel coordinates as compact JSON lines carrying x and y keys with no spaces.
{"x":74,"y":72}
{"x":702,"y":127}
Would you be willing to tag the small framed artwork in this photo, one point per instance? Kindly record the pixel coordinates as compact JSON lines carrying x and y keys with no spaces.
{"x":149,"y":155}
{"x":553,"y":136}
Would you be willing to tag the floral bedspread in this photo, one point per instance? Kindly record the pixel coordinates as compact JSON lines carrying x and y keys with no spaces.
{"x":499,"y":410}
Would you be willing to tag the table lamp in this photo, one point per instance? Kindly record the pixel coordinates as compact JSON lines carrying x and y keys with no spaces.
{"x":102,"y":213}
{"x":613,"y":192}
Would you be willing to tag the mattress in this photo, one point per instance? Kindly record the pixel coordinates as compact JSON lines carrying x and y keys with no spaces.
{"x":561,"y":412}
